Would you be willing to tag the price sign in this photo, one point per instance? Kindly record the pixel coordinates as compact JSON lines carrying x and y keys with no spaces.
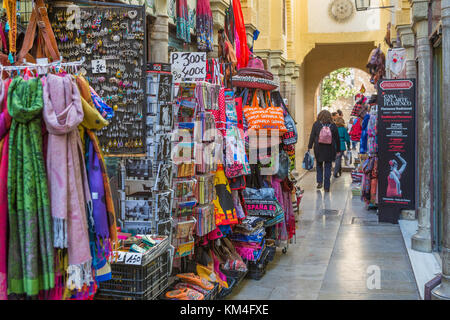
{"x":188,"y":65}
{"x":118,"y":256}
{"x":133,"y":258}
{"x":98,"y":66}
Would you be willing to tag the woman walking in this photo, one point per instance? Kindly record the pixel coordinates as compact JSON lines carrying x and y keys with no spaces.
{"x":325,"y":138}
{"x":344,"y":140}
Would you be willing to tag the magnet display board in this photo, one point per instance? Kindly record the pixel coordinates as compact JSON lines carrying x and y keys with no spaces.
{"x":112,"y":40}
{"x":396,"y":148}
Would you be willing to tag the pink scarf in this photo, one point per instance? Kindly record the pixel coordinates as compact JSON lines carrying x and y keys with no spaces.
{"x":68,"y":187}
{"x":4,"y":117}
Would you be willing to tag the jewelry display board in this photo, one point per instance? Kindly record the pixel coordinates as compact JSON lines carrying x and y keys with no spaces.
{"x":111,"y":38}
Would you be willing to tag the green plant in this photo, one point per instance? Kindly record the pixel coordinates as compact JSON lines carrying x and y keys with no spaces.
{"x":335,"y":86}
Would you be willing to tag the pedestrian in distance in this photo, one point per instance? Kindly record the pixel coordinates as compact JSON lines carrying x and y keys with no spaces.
{"x":325,"y":139}
{"x":344,"y":140}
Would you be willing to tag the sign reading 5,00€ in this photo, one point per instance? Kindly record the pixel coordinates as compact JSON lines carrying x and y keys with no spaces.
{"x":188,"y":66}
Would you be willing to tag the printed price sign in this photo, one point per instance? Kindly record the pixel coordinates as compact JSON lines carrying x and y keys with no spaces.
{"x":133,"y":258}
{"x":99,"y":66}
{"x":188,"y":65}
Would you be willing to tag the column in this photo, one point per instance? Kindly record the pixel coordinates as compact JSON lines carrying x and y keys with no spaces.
{"x":421,"y":241}
{"x":407,"y":39}
{"x":159,"y":34}
{"x":442,"y":292}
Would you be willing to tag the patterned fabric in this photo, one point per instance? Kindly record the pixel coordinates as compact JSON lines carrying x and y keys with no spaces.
{"x":183,"y":26}
{"x":204,"y":26}
{"x":30,"y":255}
{"x":372,"y":143}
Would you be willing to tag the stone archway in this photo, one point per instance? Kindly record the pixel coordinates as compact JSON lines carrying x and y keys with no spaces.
{"x":319,"y":62}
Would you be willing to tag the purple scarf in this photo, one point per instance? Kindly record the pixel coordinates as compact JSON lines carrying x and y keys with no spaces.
{"x":101,"y":227}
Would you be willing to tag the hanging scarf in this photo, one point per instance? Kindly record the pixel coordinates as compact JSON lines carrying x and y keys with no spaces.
{"x":5,"y":121}
{"x":243,"y":57}
{"x":69,"y":189}
{"x":30,"y":255}
{"x":183,"y":25}
{"x":205,"y":26}
{"x":11,"y":8}
{"x":96,"y":185}
{"x":94,"y":121}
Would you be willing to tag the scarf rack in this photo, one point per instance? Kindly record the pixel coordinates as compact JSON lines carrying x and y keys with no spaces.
{"x":27,"y":65}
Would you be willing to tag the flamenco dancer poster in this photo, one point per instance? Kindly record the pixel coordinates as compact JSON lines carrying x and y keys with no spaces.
{"x":394,"y":184}
{"x":396,"y":148}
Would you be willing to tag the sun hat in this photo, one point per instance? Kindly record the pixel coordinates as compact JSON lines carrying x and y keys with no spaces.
{"x":254,"y":76}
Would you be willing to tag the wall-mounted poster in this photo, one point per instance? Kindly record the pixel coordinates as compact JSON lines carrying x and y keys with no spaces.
{"x":396,"y":148}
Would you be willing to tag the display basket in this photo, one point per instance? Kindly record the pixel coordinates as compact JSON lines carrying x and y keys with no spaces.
{"x":257,"y":270}
{"x":135,"y":258}
{"x":143,"y":282}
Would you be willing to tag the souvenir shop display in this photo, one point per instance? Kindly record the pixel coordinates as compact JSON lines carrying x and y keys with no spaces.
{"x":50,"y":136}
{"x":365,"y":174}
{"x":146,"y":194}
{"x":111,"y":40}
{"x":202,"y":199}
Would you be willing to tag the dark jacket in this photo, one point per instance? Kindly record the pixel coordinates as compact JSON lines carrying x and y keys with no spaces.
{"x":324,"y":152}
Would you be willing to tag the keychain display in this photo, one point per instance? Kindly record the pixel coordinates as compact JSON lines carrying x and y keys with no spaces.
{"x":112,"y":41}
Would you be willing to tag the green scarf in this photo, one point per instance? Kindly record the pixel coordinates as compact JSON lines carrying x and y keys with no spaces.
{"x":30,"y":256}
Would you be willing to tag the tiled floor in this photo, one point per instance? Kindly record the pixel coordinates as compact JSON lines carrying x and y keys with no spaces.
{"x":333,"y":258}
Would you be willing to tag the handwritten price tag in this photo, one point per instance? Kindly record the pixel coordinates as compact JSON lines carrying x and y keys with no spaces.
{"x":118,"y":256}
{"x":99,"y":66}
{"x":188,"y":65}
{"x":133,"y":258}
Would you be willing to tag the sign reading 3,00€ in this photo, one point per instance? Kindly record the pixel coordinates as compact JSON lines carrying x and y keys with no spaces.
{"x":188,"y":66}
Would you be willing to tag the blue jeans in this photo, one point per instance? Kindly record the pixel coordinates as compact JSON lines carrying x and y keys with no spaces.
{"x":327,"y":182}
{"x":354,"y":143}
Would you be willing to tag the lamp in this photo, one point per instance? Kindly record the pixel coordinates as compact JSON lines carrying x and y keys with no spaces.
{"x":362,"y":5}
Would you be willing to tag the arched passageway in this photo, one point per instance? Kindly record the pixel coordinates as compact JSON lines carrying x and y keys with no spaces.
{"x":319,"y":62}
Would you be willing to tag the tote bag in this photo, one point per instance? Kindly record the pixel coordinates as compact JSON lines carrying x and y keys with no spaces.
{"x":270,"y":118}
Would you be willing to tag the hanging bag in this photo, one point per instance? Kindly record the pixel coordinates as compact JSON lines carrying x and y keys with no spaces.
{"x":291,"y":136}
{"x":270,"y":118}
{"x":284,"y":165}
{"x":45,"y":46}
